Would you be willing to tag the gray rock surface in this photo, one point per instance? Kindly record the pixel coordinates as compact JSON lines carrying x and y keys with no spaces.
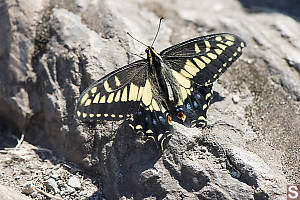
{"x":8,"y":193}
{"x":52,"y":185}
{"x":28,"y":188}
{"x":74,"y":182}
{"x":51,"y":51}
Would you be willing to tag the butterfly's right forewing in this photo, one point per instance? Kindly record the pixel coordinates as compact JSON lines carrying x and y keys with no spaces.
{"x":115,"y":96}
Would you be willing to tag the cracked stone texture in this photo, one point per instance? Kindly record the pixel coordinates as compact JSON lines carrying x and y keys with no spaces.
{"x":51,"y":51}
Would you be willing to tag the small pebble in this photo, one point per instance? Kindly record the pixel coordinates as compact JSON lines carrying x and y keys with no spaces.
{"x":62,"y":192}
{"x":74,"y":182}
{"x":69,"y":190}
{"x":54,"y":175}
{"x":83,"y":193}
{"x":28,"y":188}
{"x":235,"y":99}
{"x":203,"y":149}
{"x":34,"y":194}
{"x":52,"y":185}
{"x":218,"y":7}
{"x":24,"y":172}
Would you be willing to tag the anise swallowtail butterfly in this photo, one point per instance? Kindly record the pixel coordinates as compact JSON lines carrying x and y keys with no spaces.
{"x":174,"y":85}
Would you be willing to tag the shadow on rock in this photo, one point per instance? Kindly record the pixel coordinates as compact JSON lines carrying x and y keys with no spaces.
{"x":216,"y":98}
{"x":127,"y":165}
{"x":290,"y":7}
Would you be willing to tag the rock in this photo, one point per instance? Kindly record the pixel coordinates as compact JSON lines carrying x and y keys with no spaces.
{"x":34,"y":194}
{"x":28,"y":188}
{"x":235,"y":99}
{"x":51,"y":52}
{"x":11,"y":194}
{"x":17,"y":35}
{"x":54,"y":174}
{"x":74,"y":182}
{"x":255,"y":172}
{"x":294,"y":62}
{"x":52,"y":185}
{"x":69,"y":190}
{"x":200,"y":174}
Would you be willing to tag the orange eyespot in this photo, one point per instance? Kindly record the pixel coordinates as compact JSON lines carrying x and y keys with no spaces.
{"x":181,"y":115}
{"x":170,"y":120}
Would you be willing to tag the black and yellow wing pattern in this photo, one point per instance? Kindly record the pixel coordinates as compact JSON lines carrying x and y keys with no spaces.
{"x":116,"y":96}
{"x":174,"y":85}
{"x":195,"y":65}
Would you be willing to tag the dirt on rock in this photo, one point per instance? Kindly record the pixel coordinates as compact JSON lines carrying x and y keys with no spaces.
{"x":39,"y":174}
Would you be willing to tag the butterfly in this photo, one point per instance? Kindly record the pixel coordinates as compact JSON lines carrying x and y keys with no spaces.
{"x":173,"y":85}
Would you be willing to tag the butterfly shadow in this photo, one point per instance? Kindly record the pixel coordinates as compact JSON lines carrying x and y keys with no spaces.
{"x":216,"y":97}
{"x":290,"y":8}
{"x":123,"y":159}
{"x":126,"y":159}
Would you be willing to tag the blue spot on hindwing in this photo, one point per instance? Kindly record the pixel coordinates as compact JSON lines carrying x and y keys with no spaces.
{"x":161,"y":119}
{"x":154,"y":122}
{"x":188,"y":107}
{"x":179,"y":109}
{"x":195,"y":104}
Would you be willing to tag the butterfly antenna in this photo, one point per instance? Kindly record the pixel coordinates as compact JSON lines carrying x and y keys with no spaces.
{"x":136,"y":39}
{"x":160,"y":20}
{"x":136,"y":55}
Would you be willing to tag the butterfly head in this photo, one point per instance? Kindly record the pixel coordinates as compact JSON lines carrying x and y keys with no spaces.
{"x":150,"y":50}
{"x":152,"y":55}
